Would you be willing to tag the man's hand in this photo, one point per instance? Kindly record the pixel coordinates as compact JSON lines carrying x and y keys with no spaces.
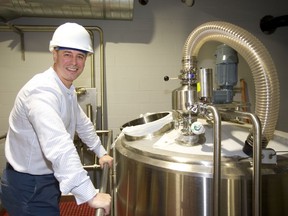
{"x":106,"y":159}
{"x":101,"y":200}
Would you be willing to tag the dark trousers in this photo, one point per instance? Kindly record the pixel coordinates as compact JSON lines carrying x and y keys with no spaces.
{"x":34,"y":195}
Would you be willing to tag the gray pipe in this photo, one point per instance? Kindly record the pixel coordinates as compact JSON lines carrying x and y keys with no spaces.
{"x":216,"y":160}
{"x":257,"y":153}
{"x":105,"y":173}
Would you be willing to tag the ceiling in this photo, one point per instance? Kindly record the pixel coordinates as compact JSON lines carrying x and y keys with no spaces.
{"x":84,"y":9}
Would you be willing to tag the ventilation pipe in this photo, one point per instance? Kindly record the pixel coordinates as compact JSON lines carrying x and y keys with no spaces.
{"x":78,"y":9}
{"x":261,"y":65}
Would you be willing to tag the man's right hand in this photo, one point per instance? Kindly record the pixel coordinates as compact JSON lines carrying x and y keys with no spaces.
{"x":101,"y":200}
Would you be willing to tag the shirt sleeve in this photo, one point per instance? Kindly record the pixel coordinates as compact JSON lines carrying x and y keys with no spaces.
{"x":44,"y":113}
{"x":87,"y":133}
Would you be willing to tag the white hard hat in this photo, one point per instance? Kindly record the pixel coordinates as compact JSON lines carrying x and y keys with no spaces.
{"x":73,"y":36}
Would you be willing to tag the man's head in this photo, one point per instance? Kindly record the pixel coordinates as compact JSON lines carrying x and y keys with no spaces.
{"x":70,"y":45}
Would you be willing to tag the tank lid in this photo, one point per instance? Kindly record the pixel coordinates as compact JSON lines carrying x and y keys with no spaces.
{"x":148,"y":125}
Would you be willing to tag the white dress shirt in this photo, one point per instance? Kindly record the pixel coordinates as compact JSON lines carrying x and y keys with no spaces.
{"x":41,"y":130}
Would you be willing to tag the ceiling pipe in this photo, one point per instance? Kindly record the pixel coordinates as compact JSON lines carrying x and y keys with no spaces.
{"x":78,"y":9}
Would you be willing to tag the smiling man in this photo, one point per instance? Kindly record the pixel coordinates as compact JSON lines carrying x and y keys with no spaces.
{"x":69,"y":64}
{"x":42,"y":161}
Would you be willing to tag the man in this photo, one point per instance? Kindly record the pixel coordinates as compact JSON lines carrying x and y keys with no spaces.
{"x":42,"y":161}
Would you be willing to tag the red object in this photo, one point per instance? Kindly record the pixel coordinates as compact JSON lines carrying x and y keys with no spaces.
{"x":71,"y":209}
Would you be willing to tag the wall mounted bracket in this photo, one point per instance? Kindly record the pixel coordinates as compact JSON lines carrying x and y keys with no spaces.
{"x":269,"y":24}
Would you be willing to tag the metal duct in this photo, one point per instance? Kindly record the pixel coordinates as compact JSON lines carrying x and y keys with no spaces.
{"x":79,"y":9}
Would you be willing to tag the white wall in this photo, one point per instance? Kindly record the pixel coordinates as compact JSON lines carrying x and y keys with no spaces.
{"x":140,"y":53}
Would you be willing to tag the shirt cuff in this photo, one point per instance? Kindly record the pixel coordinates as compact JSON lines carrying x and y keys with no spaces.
{"x":84,"y":192}
{"x":101,"y":152}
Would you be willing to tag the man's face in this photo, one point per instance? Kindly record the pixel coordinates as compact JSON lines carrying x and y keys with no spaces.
{"x":68,"y":64}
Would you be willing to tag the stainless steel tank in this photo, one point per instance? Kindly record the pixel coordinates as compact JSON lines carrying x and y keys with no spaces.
{"x":168,"y":179}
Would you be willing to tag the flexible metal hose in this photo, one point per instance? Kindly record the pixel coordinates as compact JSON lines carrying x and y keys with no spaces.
{"x":258,"y":58}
